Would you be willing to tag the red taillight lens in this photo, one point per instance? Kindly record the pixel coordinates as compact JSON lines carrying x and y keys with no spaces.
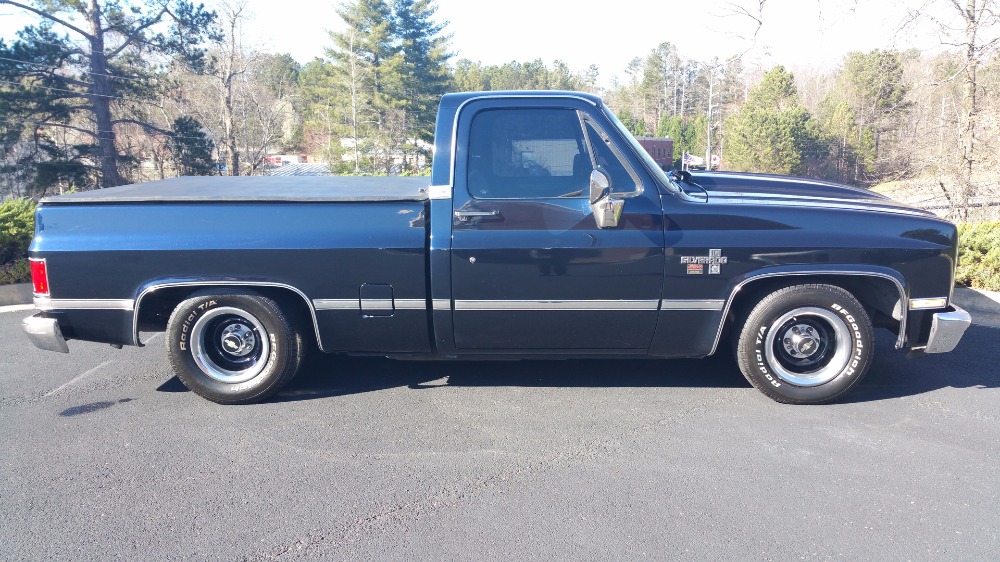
{"x":39,"y":277}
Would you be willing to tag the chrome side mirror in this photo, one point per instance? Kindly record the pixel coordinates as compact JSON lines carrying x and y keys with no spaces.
{"x":599,"y":186}
{"x":607,"y":211}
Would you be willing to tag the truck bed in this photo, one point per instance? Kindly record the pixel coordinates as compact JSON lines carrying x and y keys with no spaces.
{"x":254,"y":188}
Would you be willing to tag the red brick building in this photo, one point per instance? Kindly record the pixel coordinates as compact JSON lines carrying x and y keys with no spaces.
{"x":660,"y":148}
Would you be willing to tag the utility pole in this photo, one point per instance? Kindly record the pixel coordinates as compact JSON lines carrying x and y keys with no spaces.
{"x":708,"y":149}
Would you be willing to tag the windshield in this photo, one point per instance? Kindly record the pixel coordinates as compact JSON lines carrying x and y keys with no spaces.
{"x":639,"y":151}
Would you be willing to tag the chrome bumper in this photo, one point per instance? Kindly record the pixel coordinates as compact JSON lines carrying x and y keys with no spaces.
{"x":947,"y":329}
{"x":44,"y":333}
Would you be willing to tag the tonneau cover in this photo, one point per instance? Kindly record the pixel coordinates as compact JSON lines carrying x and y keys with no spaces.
{"x":256,"y":188}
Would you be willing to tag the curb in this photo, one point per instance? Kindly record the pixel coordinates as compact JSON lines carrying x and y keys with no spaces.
{"x":20,"y":293}
{"x":983,"y":306}
{"x":977,"y":300}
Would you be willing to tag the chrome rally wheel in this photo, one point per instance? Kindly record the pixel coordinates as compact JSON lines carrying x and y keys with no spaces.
{"x":229,"y":345}
{"x":805,"y":344}
{"x":233,"y":346}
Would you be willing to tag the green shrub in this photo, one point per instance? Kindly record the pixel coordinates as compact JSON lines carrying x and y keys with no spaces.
{"x":18,"y":271}
{"x":979,"y":255}
{"x":17,"y":226}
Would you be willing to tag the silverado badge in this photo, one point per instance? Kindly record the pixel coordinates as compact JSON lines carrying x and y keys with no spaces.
{"x":714,"y":260}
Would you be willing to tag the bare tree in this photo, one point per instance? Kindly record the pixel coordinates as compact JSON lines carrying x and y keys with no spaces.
{"x":973,"y":28}
{"x":230,"y":65}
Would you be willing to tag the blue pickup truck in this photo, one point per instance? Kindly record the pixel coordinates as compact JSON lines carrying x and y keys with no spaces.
{"x":545,"y":230}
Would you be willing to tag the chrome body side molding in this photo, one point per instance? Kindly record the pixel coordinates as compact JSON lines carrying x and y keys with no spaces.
{"x":336,"y":304}
{"x":685,"y":304}
{"x":596,"y":305}
{"x":410,"y":304}
{"x":482,"y":305}
{"x":47,"y":304}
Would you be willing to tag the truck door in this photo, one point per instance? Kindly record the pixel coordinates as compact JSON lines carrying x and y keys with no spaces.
{"x":531,"y":269}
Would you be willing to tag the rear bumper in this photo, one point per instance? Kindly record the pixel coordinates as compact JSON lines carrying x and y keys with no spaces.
{"x":44,"y":333}
{"x":947,"y":329}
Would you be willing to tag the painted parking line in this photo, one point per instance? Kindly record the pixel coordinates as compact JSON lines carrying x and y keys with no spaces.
{"x":80,"y":377}
{"x":16,"y":308}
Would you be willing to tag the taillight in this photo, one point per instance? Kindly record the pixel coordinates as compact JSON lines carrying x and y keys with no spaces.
{"x":39,"y":276}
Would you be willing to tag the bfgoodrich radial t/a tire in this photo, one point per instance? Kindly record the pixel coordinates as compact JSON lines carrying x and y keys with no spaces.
{"x":805,"y":344}
{"x":233,"y":347}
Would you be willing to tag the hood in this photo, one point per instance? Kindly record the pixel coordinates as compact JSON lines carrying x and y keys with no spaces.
{"x":762,"y":189}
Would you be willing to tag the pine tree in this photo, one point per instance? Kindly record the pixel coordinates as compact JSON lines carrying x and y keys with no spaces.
{"x":88,"y":65}
{"x":361,"y":56}
{"x":192,"y":149}
{"x":391,"y":65}
{"x":771,"y":133}
{"x":425,"y":75}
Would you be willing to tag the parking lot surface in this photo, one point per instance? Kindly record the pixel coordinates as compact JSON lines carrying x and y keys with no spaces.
{"x":104,"y":454}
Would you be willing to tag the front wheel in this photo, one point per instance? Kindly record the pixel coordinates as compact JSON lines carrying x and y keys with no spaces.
{"x":805,"y":344}
{"x":233,"y":347}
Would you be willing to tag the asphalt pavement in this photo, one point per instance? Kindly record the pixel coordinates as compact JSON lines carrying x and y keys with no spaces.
{"x":104,"y":454}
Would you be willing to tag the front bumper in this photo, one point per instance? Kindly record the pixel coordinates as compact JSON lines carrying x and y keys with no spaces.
{"x":947,"y":329}
{"x":44,"y":333}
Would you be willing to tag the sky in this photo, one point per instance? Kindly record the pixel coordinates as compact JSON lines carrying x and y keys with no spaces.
{"x":795,"y":33}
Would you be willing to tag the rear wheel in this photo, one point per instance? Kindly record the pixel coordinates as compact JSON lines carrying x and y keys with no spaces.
{"x":805,"y":344}
{"x":233,"y":347}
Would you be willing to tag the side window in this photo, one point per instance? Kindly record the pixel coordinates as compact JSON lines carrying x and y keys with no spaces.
{"x":527,"y":154}
{"x":609,"y":162}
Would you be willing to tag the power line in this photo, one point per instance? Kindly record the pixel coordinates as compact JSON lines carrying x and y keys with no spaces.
{"x":137,"y":79}
{"x":96,"y":132}
{"x":60,"y":90}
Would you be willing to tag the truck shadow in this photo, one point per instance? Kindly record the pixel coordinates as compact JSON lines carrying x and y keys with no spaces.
{"x":329,"y":376}
{"x":972,"y":365}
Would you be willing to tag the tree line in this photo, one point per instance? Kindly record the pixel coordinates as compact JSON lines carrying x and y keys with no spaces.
{"x":102,"y":92}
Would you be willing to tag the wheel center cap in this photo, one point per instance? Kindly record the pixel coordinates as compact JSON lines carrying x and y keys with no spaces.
{"x":238,"y":340}
{"x":801,"y":341}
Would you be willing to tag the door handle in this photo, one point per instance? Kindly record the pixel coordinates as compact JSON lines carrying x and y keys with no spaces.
{"x":466,"y":215}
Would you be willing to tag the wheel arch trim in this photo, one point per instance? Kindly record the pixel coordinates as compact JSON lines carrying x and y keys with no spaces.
{"x":156,"y":286}
{"x":896,"y":280}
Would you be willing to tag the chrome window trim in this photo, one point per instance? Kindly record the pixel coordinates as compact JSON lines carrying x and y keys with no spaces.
{"x":573,"y":305}
{"x":639,"y":187}
{"x":732,"y":296}
{"x":48,"y":304}
{"x":156,"y":287}
{"x":461,"y":106}
{"x":583,"y":134}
